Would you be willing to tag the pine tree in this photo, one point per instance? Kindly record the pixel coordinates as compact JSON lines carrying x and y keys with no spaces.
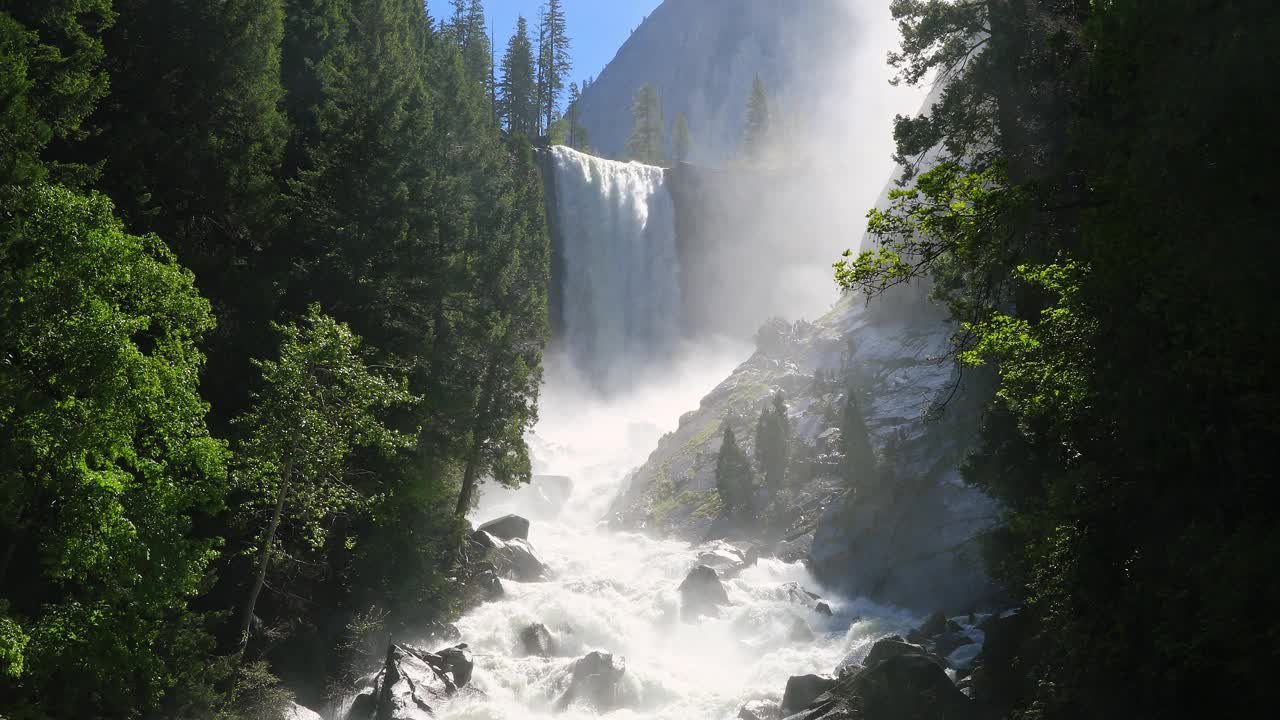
{"x":859,"y":458}
{"x":759,"y":122}
{"x":646,"y":141}
{"x":554,"y":60}
{"x":734,"y":480}
{"x":517,"y":97}
{"x":683,"y":143}
{"x":773,"y":443}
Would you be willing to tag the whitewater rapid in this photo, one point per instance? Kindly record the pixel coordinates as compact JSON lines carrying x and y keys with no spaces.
{"x":617,"y":591}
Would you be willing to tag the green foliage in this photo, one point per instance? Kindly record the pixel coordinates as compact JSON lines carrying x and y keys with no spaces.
{"x":646,"y":143}
{"x":734,"y":480}
{"x":773,"y":443}
{"x":106,"y":456}
{"x":1084,"y":156}
{"x":517,"y":93}
{"x":51,"y":78}
{"x":554,"y":60}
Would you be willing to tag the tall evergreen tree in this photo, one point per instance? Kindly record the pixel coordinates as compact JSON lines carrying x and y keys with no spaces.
{"x":734,"y":481}
{"x":52,"y":78}
{"x":759,"y":123}
{"x":646,"y":141}
{"x":773,"y":443}
{"x":517,"y":96}
{"x":554,"y":59}
{"x":682,"y":142}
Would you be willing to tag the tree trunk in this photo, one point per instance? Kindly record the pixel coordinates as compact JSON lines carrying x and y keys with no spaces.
{"x":264,"y":556}
{"x":472,"y":472}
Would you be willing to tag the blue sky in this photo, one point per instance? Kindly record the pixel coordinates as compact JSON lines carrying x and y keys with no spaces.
{"x":596,"y":27}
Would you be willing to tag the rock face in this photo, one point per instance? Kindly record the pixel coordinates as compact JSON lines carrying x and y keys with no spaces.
{"x":898,"y":527}
{"x":410,"y":688}
{"x":685,"y":47}
{"x":595,"y":680}
{"x":701,"y":594}
{"x":900,"y":682}
{"x":803,"y":690}
{"x":513,"y":559}
{"x":507,"y":527}
{"x":538,"y":641}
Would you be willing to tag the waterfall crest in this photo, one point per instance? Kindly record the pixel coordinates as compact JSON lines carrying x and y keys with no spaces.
{"x":620,"y":292}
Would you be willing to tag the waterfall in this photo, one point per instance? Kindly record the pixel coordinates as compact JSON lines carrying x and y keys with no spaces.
{"x":618,"y":279}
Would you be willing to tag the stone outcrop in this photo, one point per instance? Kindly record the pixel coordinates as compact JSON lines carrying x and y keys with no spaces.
{"x":507,"y":527}
{"x":803,"y":690}
{"x":898,"y":525}
{"x":701,"y":594}
{"x":596,"y":681}
{"x":513,"y":559}
{"x":536,"y":640}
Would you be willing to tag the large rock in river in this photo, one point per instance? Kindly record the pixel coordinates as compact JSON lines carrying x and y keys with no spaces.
{"x":513,"y":559}
{"x":596,"y":680}
{"x":410,"y":688}
{"x":538,"y":641}
{"x":701,"y":593}
{"x":507,"y":527}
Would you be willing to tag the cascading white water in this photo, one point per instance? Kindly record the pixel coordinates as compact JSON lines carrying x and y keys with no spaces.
{"x":620,"y":268}
{"x":617,"y":592}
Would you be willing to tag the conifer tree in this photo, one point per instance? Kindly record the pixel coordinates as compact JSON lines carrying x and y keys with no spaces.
{"x":554,"y":60}
{"x":517,"y":96}
{"x":734,"y":481}
{"x":859,"y":458}
{"x":773,"y":441}
{"x":683,"y":143}
{"x":646,"y":141}
{"x":759,"y":122}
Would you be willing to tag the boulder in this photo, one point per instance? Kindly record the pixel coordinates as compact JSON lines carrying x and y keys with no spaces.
{"x":458,"y":663}
{"x":800,"y":632}
{"x":489,"y":586}
{"x":894,"y":646}
{"x":410,"y":688}
{"x":722,"y":556}
{"x":949,"y":641}
{"x":297,"y":712}
{"x":760,"y":710}
{"x":701,"y":593}
{"x":595,"y":680}
{"x":538,"y":641}
{"x":507,"y":527}
{"x":513,"y":559}
{"x":363,"y":706}
{"x":908,"y":687}
{"x":797,"y":594}
{"x":803,"y":690}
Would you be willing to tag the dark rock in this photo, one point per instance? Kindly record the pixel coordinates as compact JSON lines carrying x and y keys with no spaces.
{"x":486,"y":587}
{"x":822,"y":609}
{"x":803,"y":690}
{"x":935,"y":625}
{"x":800,"y":631}
{"x":701,"y":593}
{"x":950,"y":641}
{"x":894,"y":646}
{"x":507,"y":527}
{"x":595,"y":680}
{"x":411,"y":688}
{"x":363,"y":706}
{"x":908,"y":687}
{"x":438,"y":633}
{"x":759,"y":710}
{"x":512,"y":559}
{"x":538,"y":641}
{"x":800,"y":596}
{"x":458,"y":663}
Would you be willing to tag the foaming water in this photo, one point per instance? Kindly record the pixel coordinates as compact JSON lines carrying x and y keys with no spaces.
{"x":617,"y":592}
{"x":623,"y":305}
